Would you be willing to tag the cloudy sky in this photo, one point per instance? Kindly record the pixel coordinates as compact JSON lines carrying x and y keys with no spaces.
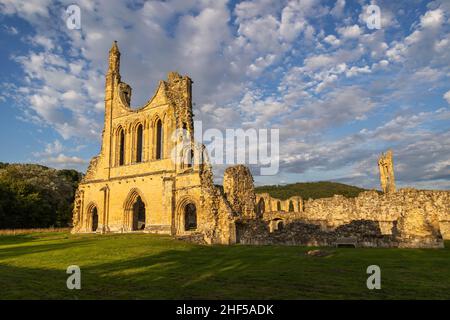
{"x":339,"y":92}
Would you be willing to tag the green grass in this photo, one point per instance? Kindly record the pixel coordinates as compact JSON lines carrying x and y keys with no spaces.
{"x":314,"y":190}
{"x":142,"y":266}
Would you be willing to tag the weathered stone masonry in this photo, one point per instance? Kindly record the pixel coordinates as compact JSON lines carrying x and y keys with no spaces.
{"x":406,"y":218}
{"x":146,"y":177}
{"x":134,"y":184}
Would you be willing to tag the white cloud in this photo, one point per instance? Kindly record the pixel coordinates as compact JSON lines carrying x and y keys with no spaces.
{"x":30,"y":10}
{"x":260,"y":64}
{"x":432,"y":19}
{"x":45,"y":42}
{"x":353,"y":71}
{"x":263,"y":63}
{"x":338,"y":8}
{"x":63,"y":159}
{"x":350,"y":32}
{"x":447,"y":96}
{"x":53,"y":155}
{"x":331,"y":39}
{"x":426,"y":45}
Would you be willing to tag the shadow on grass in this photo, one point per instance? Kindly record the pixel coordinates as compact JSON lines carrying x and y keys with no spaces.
{"x":175,"y":270}
{"x":170,"y":275}
{"x":13,"y":246}
{"x":197,"y":273}
{"x":15,"y":239}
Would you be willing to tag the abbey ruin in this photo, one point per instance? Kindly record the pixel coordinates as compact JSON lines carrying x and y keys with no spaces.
{"x":146,"y":178}
{"x":386,"y":168}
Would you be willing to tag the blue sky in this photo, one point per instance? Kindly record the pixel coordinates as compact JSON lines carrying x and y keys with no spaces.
{"x":339,"y":92}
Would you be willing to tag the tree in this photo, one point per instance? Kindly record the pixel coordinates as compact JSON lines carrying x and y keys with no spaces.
{"x":34,"y":196}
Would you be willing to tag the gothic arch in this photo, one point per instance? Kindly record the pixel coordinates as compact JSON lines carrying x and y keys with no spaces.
{"x":120,"y":144}
{"x":134,"y":197}
{"x":154,"y":119}
{"x":276,"y":224}
{"x":192,"y":156}
{"x":291,"y":206}
{"x":168,"y":132}
{"x":180,"y":218}
{"x":92,"y":217}
{"x":129,"y":126}
{"x":159,"y":138}
{"x":151,"y":124}
{"x":187,"y":156}
{"x":137,"y":129}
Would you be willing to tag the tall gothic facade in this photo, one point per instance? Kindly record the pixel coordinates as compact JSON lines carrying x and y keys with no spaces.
{"x":149,"y":174}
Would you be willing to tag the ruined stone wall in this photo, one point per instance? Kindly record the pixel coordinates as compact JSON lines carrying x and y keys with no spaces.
{"x":117,"y":178}
{"x":361,"y":233}
{"x":418,"y":212}
{"x":140,"y":164}
{"x":219,"y":227}
{"x":239,"y":190}
{"x":414,"y":218}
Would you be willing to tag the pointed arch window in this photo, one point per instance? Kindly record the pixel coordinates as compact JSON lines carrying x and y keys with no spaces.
{"x":139,"y":133}
{"x":121,"y":148}
{"x":291,"y":206}
{"x":159,"y":140}
{"x":94,"y":217}
{"x":190,"y":217}
{"x":190,"y":158}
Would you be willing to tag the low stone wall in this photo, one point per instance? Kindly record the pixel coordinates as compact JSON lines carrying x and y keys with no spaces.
{"x":416,"y":218}
{"x":406,"y":218}
{"x":361,"y":233}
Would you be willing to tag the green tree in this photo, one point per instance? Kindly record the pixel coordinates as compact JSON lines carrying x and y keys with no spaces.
{"x":34,"y":196}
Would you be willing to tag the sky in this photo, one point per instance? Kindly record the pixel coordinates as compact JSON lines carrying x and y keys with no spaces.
{"x":339,"y":92}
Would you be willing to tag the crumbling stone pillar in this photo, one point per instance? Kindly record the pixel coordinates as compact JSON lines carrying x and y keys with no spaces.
{"x":386,"y":167}
{"x":239,"y":190}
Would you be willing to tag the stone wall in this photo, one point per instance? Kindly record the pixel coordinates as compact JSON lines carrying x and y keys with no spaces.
{"x":239,"y":190}
{"x":407,"y":218}
{"x":358,"y":233}
{"x":126,"y":173}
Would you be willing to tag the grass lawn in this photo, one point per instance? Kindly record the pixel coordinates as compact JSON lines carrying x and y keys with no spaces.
{"x":143,"y":266}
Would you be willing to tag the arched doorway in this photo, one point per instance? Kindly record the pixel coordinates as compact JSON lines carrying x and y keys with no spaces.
{"x":190,"y":217}
{"x":276,"y":224}
{"x":138,"y":214}
{"x":94,"y":217}
{"x":280,"y":225}
{"x":135,"y":211}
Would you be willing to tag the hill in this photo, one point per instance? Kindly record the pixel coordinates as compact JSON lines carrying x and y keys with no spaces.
{"x":35,"y":196}
{"x":314,"y":190}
